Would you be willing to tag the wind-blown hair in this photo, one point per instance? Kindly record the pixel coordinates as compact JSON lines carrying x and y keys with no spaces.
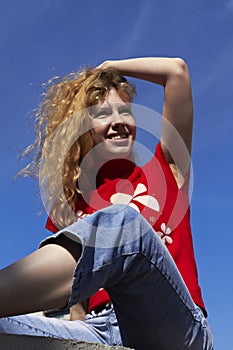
{"x":63,"y":136}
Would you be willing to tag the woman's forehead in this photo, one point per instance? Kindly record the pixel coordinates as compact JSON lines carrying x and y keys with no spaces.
{"x":112,"y":97}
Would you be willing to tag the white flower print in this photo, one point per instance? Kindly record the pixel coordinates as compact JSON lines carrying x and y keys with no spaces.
{"x":138,"y":196}
{"x":165,"y":234}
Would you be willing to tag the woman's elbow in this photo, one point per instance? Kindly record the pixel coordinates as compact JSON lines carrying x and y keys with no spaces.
{"x":180,"y":68}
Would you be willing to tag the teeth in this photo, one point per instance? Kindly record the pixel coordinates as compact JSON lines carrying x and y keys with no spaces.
{"x":118,"y":137}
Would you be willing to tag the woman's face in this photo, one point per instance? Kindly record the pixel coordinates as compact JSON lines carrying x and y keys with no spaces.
{"x":113,"y":128}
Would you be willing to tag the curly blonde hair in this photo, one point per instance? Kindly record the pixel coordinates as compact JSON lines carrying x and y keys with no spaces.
{"x":63,"y":136}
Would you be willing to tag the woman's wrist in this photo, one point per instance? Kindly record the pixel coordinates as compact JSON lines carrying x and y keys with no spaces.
{"x":108,"y":65}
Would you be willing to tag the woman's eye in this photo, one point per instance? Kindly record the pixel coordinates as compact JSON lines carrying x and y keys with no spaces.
{"x":101,"y":114}
{"x":126,"y":111}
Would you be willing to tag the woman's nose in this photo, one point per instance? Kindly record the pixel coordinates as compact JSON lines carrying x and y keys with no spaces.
{"x":117,"y":118}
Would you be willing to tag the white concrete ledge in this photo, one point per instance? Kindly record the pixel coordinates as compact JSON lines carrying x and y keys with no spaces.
{"x":23,"y":342}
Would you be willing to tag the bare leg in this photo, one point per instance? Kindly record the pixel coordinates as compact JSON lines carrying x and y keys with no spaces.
{"x":41,"y":280}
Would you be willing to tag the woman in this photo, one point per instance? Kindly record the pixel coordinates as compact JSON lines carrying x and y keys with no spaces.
{"x":129,"y":227}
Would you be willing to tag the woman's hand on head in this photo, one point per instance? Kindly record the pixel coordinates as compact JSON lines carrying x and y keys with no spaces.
{"x":104,"y":65}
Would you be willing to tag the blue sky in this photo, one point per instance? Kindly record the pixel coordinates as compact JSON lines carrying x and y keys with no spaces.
{"x":41,"y":39}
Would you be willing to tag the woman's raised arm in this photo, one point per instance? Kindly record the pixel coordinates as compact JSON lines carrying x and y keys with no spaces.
{"x":172,"y":73}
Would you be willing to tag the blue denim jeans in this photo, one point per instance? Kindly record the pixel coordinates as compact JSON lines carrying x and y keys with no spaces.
{"x":152,"y":306}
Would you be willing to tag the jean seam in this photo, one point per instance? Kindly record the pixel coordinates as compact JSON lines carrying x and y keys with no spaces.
{"x":175,"y":288}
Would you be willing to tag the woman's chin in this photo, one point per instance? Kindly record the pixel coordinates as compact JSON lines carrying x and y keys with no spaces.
{"x":113,"y":149}
{"x":122,"y":152}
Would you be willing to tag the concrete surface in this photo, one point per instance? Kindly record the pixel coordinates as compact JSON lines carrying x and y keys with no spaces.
{"x":21,"y":342}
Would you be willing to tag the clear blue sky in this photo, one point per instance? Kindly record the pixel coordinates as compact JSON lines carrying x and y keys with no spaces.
{"x":43,"y":38}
